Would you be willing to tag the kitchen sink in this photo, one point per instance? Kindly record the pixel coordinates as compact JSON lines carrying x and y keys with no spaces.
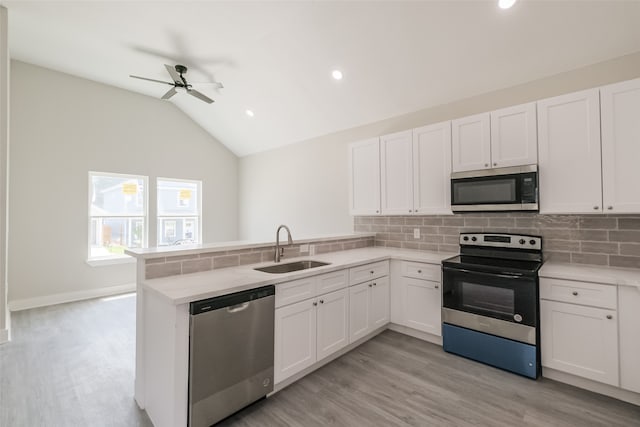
{"x":291,"y":266}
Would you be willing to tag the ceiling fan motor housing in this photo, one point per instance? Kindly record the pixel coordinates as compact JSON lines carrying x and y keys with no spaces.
{"x":181,"y":69}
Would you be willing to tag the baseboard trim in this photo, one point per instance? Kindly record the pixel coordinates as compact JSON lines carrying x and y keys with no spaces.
{"x":594,"y":386}
{"x":4,"y":336}
{"x":27,"y":303}
{"x":424,"y":336}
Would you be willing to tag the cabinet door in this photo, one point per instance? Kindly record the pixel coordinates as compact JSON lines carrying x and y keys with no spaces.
{"x":629,"y":324}
{"x":432,"y":169}
{"x":295,"y":339}
{"x":471,"y":143}
{"x":422,"y":305}
{"x":620,"y":105}
{"x":514,"y":136}
{"x":364,"y":180}
{"x":580,"y":340}
{"x":569,"y":153}
{"x":359,"y":311}
{"x":333,"y":333}
{"x":379,"y":301}
{"x":396,"y":174}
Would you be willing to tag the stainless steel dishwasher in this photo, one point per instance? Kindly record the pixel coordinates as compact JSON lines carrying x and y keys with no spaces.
{"x":230,"y":353}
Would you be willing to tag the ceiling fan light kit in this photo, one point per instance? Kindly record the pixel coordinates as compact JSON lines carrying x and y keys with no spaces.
{"x":180,"y":83}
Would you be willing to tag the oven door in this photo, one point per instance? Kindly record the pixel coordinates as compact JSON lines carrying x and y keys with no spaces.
{"x":507,"y":297}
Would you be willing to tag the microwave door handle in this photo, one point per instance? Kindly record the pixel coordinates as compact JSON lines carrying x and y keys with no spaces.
{"x":505,"y":276}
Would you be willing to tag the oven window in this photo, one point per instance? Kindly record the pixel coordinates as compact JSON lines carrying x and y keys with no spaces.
{"x":484,"y":191}
{"x":488,"y":298}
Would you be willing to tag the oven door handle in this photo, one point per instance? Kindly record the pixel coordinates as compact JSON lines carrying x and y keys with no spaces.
{"x":505,"y":276}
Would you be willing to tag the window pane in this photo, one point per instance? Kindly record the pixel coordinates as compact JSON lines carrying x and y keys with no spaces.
{"x":114,"y":195}
{"x":177,"y":230}
{"x":177,"y":198}
{"x":112,"y":235}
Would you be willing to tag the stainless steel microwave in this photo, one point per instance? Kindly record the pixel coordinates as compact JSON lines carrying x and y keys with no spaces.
{"x":501,"y":189}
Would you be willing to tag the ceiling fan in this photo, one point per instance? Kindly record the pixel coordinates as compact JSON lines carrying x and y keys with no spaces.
{"x":180,"y":84}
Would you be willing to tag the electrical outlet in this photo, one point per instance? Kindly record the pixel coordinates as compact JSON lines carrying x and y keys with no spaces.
{"x":304,"y":248}
{"x":416,"y":233}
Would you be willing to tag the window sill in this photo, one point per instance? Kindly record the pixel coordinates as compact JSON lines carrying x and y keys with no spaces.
{"x":100,"y":262}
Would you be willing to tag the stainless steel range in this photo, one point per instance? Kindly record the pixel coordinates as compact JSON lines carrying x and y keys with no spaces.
{"x":490,"y":307}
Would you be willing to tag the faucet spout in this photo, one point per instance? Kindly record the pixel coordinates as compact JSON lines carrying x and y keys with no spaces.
{"x":280,"y":251}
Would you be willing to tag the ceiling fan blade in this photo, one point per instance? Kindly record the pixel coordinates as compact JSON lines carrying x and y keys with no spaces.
{"x":170,"y":93}
{"x":200,"y":96}
{"x":174,"y":74}
{"x":151,"y":80}
{"x":217,"y":84}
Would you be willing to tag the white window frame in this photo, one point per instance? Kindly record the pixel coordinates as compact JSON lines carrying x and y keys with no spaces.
{"x":198,"y":217}
{"x":117,"y":259}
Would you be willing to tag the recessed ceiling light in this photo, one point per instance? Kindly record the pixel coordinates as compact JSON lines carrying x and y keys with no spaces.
{"x":506,"y":4}
{"x":336,"y":74}
{"x":249,"y":113}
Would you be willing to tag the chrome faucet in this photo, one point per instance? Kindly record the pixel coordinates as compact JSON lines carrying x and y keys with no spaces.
{"x":279,"y":250}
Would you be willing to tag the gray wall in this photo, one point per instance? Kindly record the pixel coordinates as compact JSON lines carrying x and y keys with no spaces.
{"x":305,"y":185}
{"x":64,"y":126}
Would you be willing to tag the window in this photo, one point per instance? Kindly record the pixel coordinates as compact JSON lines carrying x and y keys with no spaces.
{"x":179,"y":212}
{"x":117,"y":214}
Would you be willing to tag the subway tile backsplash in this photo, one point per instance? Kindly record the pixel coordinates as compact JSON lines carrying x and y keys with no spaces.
{"x":609,"y":240}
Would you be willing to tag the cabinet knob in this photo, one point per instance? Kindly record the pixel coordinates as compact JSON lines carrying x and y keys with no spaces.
{"x":495,"y":164}
{"x":610,"y":208}
{"x":371,"y":272}
{"x":609,"y":316}
{"x":370,"y":285}
{"x":321,"y":301}
{"x":595,"y":208}
{"x":419,"y":271}
{"x":409,"y":210}
{"x":374,"y":283}
{"x":415,"y":210}
{"x":437,"y":286}
{"x":575,"y":293}
{"x":486,"y":165}
{"x":315,"y":303}
{"x":377,"y":211}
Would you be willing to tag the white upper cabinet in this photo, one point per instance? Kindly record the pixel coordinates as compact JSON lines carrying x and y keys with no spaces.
{"x":471,"y":143}
{"x":514,"y":139}
{"x":569,"y":166}
{"x":620,"y":105}
{"x":364,"y":170}
{"x":396,"y":173}
{"x":432,"y":169}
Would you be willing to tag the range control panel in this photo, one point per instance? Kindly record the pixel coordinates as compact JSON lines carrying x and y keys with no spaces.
{"x":496,"y":240}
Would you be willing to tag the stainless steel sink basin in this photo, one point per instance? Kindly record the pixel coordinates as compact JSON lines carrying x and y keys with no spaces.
{"x":291,"y":266}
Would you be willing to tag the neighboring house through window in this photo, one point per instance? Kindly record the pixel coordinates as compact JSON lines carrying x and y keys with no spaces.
{"x":179,"y":211}
{"x":117,"y":214}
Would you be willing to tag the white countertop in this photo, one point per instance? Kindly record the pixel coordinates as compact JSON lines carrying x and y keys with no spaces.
{"x":594,"y":274}
{"x":164,"y":251}
{"x":186,"y":288}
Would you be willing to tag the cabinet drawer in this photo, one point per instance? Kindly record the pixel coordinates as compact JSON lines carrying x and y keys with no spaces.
{"x":368,"y":272}
{"x":332,"y":281}
{"x":582,"y":293}
{"x":418,"y":270}
{"x":296,"y":290}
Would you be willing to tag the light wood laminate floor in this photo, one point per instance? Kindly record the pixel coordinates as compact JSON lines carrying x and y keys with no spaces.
{"x":72,"y":365}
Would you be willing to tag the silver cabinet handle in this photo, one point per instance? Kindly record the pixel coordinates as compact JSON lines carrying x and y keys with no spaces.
{"x":437,"y":286}
{"x":374,"y":284}
{"x":419,"y":271}
{"x":595,"y":208}
{"x":610,"y":207}
{"x":495,"y":164}
{"x":321,"y":301}
{"x":371,"y":272}
{"x":370,"y":285}
{"x":377,"y":211}
{"x":415,"y":210}
{"x":575,"y":293}
{"x":486,"y":165}
{"x":315,"y":303}
{"x":409,"y":210}
{"x":609,"y":316}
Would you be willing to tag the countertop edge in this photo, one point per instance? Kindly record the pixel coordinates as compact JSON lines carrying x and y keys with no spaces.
{"x":589,"y":273}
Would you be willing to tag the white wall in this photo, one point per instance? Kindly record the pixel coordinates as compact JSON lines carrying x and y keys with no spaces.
{"x":305,"y":185}
{"x":64,"y":126}
{"x":4,"y":164}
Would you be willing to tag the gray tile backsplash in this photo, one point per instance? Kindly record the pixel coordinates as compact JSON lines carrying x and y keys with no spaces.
{"x":610,"y":240}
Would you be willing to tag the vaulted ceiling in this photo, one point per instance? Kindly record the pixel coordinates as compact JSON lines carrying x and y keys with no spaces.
{"x":276,"y":58}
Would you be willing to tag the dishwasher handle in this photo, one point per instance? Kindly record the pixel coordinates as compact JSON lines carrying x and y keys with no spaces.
{"x":234,"y":302}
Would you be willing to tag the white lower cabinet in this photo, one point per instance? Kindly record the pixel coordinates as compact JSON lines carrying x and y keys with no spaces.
{"x":368,"y":307}
{"x":295,"y":339}
{"x":332,"y":323}
{"x":629,"y":321}
{"x":422,"y":307}
{"x":580,"y":340}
